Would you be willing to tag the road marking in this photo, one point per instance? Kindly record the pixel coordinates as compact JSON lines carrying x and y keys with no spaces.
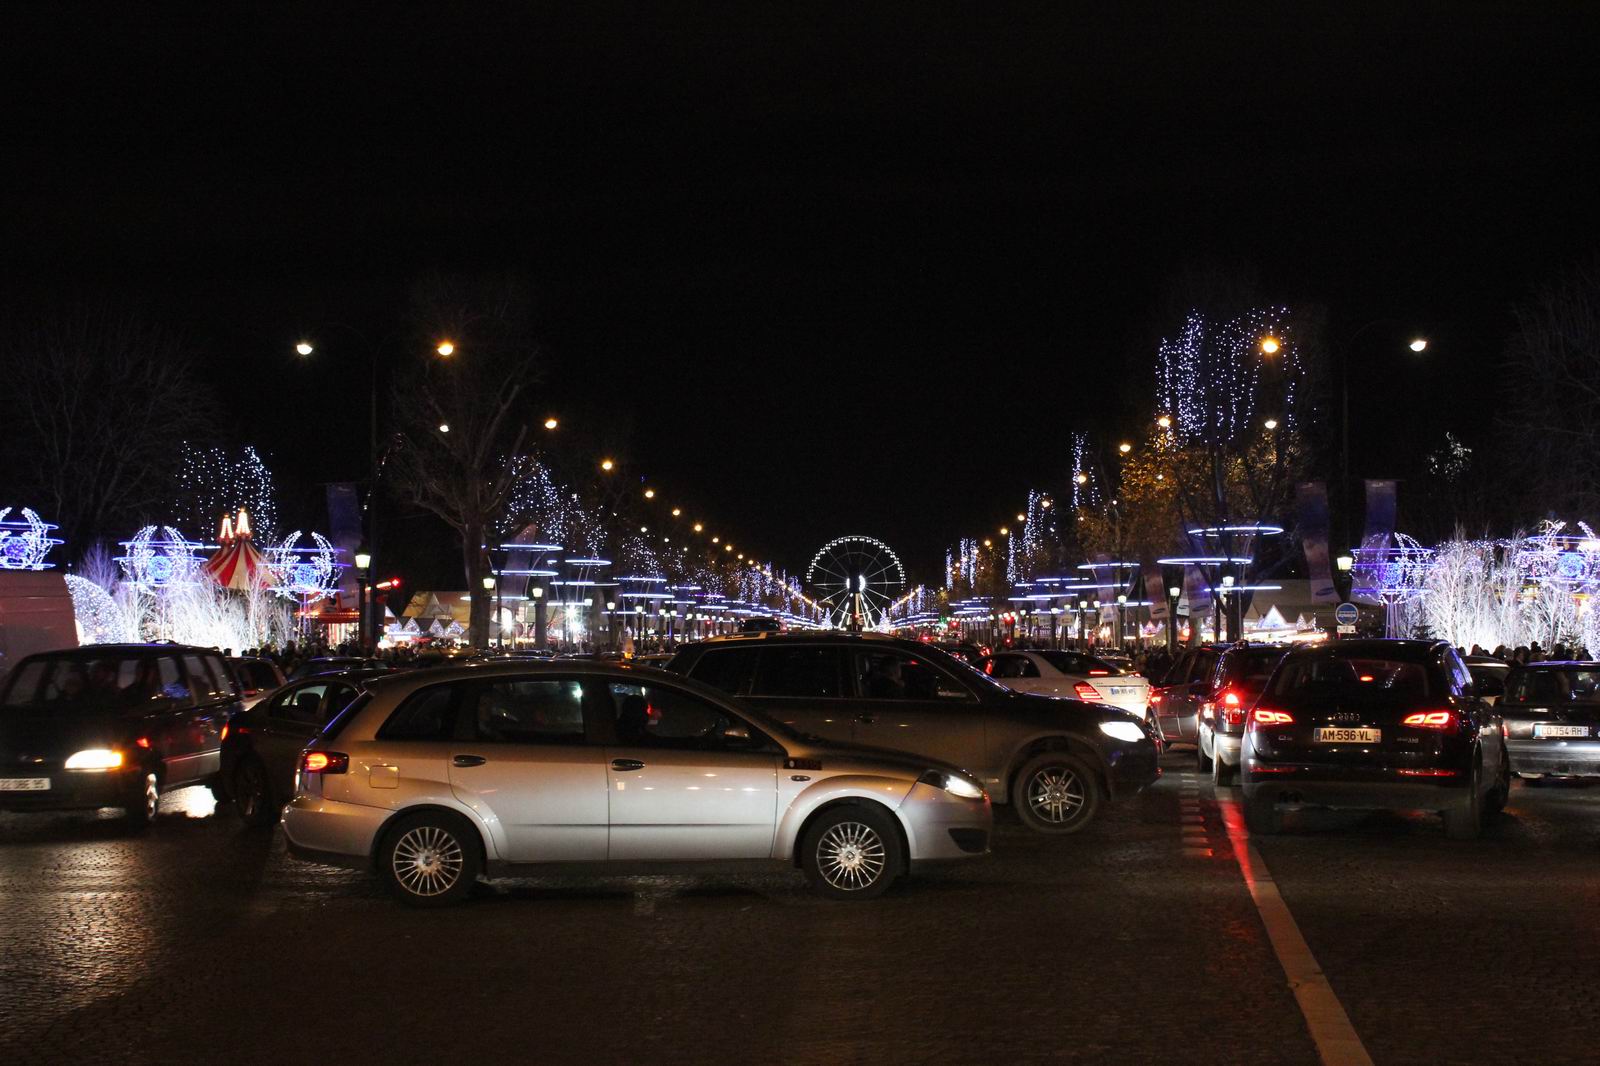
{"x":1331,"y":1031}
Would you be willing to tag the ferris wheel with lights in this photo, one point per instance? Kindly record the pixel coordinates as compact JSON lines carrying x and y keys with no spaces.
{"x":856,"y":580}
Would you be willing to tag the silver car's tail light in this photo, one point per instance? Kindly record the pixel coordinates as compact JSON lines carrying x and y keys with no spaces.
{"x":324,"y":762}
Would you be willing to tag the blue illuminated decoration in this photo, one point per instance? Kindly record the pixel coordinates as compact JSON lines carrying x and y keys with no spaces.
{"x":25,"y":541}
{"x":305,"y":574}
{"x":160,"y":557}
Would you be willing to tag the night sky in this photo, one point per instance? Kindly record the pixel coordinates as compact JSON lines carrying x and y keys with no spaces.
{"x":823,"y":272}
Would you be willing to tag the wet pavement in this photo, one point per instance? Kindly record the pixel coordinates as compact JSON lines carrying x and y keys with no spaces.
{"x":1136,"y":941}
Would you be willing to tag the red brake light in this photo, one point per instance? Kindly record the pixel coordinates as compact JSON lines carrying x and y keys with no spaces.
{"x":325,"y":762}
{"x":1086,"y":691}
{"x":1262,"y":716}
{"x":1230,"y":699}
{"x":1155,"y":698}
{"x":144,"y":742}
{"x":988,"y":667}
{"x":1430,"y":719}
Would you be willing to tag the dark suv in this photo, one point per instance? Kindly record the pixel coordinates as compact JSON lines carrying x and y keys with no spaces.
{"x":112,"y":725}
{"x":1237,"y":679}
{"x":1056,"y":760}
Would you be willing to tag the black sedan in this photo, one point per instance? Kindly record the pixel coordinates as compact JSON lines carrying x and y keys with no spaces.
{"x":1552,"y":717}
{"x":261,"y":746}
{"x":1366,"y":724}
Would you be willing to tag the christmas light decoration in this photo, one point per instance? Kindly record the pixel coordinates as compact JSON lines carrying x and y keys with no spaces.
{"x":214,"y":481}
{"x":158,"y":557}
{"x":305,"y":574}
{"x":25,"y":541}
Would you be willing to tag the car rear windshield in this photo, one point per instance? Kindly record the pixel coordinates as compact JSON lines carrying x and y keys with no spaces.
{"x":1332,"y":676}
{"x":1575,"y":685}
{"x":97,"y":683}
{"x":1248,"y":671}
{"x":1081,"y":665}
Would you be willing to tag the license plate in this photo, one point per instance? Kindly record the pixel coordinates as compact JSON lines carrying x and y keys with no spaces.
{"x":24,"y":784}
{"x":1560,"y":730}
{"x":1122,"y":690}
{"x":1332,"y":735}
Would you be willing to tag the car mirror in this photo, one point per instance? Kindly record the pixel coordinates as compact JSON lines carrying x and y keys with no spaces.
{"x":736,"y":732}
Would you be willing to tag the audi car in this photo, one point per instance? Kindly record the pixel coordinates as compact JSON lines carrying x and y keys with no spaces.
{"x":1052,"y":672}
{"x":435,"y":778}
{"x":1363,"y":724}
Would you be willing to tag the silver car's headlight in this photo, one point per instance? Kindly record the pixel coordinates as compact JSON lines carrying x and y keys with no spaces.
{"x":1120,"y":730}
{"x":955,"y":784}
{"x":94,"y":759}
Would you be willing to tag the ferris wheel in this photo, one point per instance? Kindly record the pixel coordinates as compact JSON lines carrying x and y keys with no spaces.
{"x":856,"y":579}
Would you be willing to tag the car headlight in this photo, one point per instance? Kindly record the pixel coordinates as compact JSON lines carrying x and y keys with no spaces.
{"x":1122,"y":730}
{"x":94,"y":759}
{"x":955,"y":784}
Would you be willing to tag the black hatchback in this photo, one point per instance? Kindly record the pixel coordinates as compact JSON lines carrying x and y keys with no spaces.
{"x":1370,"y":724}
{"x":1552,"y":716}
{"x":261,"y":748}
{"x":112,"y":725}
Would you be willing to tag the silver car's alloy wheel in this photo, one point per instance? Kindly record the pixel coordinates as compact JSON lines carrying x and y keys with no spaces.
{"x":427,"y":861}
{"x":850,"y":856}
{"x":1055,"y":794}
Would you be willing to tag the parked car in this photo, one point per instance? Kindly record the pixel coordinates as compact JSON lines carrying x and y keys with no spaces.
{"x":261,"y":746}
{"x":1055,"y":760}
{"x":1240,"y":675}
{"x":1051,"y":672}
{"x":1175,"y":701}
{"x":1552,"y":719}
{"x":436,"y":778}
{"x":1489,"y":676}
{"x":334,"y":664}
{"x":1374,"y":724}
{"x":970,"y":654}
{"x":256,"y":677}
{"x":112,"y":725}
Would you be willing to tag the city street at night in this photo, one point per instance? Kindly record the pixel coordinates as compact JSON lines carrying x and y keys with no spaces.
{"x":1136,"y":940}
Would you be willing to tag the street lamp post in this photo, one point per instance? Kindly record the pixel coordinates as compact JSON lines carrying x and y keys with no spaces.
{"x":491,"y":585}
{"x":537,"y":592}
{"x":1173,"y":593}
{"x":363,"y":561}
{"x":1122,"y":624}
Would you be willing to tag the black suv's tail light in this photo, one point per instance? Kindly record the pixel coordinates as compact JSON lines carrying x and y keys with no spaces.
{"x":324,"y":762}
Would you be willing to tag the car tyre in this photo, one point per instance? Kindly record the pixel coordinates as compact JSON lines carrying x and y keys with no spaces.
{"x":1221,"y":772}
{"x":1500,"y":795}
{"x":431,"y":859}
{"x":852,"y":852}
{"x":1261,"y":814}
{"x":1056,"y":793}
{"x":252,"y":793}
{"x":1464,"y":821}
{"x":141,"y":808}
{"x":1202,"y":763}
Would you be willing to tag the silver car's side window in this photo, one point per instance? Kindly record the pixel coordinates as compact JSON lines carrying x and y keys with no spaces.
{"x":527,"y":712}
{"x":658,"y":716}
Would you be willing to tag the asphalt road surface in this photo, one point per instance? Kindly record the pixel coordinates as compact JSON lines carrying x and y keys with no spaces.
{"x":1137,"y":941}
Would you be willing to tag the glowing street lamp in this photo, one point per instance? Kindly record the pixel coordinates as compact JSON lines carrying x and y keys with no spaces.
{"x":1082,"y":479}
{"x":1420,"y":344}
{"x":1270,"y":345}
{"x":649,"y":494}
{"x":305,"y":348}
{"x":1022,"y":518}
{"x":698,"y":528}
{"x":1271,"y":423}
{"x":446,"y":349}
{"x":551,"y":423}
{"x":1124,"y":448}
{"x":444,"y":427}
{"x":607,"y":465}
{"x":1165,"y":422}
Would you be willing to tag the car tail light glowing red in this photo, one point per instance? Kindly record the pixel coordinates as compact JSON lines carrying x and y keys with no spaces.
{"x":1232,"y":708}
{"x":1155,"y":698}
{"x":1099,"y":673}
{"x":144,"y":742}
{"x":325,"y":762}
{"x":1086,"y":691}
{"x":1262,"y":716}
{"x":1430,"y":720}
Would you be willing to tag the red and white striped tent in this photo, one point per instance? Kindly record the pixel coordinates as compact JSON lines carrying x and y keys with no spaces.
{"x":237,"y":563}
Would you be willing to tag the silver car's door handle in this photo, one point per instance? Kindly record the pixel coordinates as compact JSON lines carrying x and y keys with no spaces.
{"x":469,"y":760}
{"x":626,"y":764}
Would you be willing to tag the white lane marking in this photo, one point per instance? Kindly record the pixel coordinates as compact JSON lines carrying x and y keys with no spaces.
{"x":1335,"y":1038}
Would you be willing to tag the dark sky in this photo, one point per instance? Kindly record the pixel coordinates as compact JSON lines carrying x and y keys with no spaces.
{"x":838,"y":270}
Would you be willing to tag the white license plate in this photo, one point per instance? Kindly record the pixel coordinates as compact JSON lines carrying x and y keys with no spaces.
{"x":24,"y":784}
{"x":1560,"y":730}
{"x":1123,"y":690}
{"x":1331,"y":735}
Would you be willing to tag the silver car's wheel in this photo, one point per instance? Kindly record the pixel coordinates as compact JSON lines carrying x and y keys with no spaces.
{"x":430,"y":859}
{"x":1056,"y":793}
{"x":850,"y":856}
{"x":852,"y":852}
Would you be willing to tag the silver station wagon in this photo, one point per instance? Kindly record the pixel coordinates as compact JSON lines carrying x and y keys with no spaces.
{"x":436,"y":778}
